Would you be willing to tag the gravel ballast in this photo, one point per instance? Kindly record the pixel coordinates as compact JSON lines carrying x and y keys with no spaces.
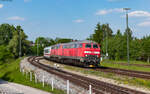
{"x":59,"y":83}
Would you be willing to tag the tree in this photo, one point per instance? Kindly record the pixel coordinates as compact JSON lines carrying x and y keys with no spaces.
{"x":146,"y":48}
{"x":135,"y":49}
{"x":4,"y":53}
{"x":100,"y":33}
{"x":115,"y":46}
{"x":129,"y":34}
{"x":6,"y":33}
{"x":13,"y":46}
{"x":62,"y":40}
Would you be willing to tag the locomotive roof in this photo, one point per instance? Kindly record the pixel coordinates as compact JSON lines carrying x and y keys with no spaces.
{"x":49,"y":47}
{"x":77,"y":42}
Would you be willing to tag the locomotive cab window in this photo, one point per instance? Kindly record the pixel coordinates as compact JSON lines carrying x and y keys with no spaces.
{"x":95,"y":46}
{"x":88,"y":46}
{"x":80,"y":45}
{"x":52,"y":47}
{"x":47,"y":51}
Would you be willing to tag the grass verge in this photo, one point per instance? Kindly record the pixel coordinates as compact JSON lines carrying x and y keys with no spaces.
{"x":11,"y":72}
{"x":131,"y":62}
{"x":120,"y":79}
{"x":129,"y":67}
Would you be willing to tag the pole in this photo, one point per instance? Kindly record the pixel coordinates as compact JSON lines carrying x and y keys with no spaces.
{"x":128,"y":57}
{"x":30,"y":76}
{"x":107,"y":41}
{"x":43,"y":79}
{"x":23,"y":71}
{"x":37,"y":47}
{"x":67,"y":86}
{"x":127,"y":37}
{"x":19,"y":43}
{"x":35,"y":78}
{"x":90,"y":89}
{"x":52,"y":84}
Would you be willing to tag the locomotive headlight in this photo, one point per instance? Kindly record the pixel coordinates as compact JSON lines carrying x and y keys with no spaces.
{"x":87,"y":52}
{"x":96,"y":52}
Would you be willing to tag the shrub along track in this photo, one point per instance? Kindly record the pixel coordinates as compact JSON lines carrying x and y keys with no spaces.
{"x":98,"y":87}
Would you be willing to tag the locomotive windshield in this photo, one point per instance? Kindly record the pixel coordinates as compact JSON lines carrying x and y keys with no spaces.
{"x":88,"y":45}
{"x":46,"y":51}
{"x":95,"y":46}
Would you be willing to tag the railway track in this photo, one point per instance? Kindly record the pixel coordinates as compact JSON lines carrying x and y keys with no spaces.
{"x":98,"y":87}
{"x":130,"y":73}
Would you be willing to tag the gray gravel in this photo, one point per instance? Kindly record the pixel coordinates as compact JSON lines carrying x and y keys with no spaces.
{"x":59,"y":83}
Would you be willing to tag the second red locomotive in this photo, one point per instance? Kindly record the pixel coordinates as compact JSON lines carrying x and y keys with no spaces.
{"x":85,"y":52}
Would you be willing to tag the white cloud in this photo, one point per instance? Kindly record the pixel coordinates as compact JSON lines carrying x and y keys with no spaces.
{"x":17,"y":18}
{"x":144,"y":14}
{"x":144,"y":24}
{"x":1,"y":5}
{"x":139,"y":14}
{"x":104,"y":12}
{"x":27,"y":0}
{"x":78,"y":21}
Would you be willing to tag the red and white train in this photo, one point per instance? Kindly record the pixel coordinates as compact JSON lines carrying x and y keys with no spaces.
{"x":86,"y":53}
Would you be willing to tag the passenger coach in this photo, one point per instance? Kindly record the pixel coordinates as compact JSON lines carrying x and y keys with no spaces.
{"x":82,"y":52}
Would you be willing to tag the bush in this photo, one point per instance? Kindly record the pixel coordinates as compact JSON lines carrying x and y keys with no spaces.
{"x":4,"y":53}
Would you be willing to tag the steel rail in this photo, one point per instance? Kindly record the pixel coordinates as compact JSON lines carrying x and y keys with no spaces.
{"x":98,"y":87}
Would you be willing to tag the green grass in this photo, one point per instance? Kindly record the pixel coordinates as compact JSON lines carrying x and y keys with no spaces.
{"x":129,"y":67}
{"x":10,"y":72}
{"x":113,"y":64}
{"x":131,"y":62}
{"x":121,"y":79}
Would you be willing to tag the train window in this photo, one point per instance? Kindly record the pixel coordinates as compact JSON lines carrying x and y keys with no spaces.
{"x":95,"y":46}
{"x":75,"y":46}
{"x":46,"y":51}
{"x":72,"y":46}
{"x":80,"y":45}
{"x":88,"y":45}
{"x":57,"y":47}
{"x":64,"y":46}
{"x":69,"y":45}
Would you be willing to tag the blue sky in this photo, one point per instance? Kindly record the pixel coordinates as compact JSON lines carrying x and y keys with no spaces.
{"x":74,"y":18}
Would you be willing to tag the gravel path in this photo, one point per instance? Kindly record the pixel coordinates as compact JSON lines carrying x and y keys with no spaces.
{"x":13,"y":88}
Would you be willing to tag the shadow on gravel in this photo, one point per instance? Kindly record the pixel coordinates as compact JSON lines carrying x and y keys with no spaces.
{"x":3,"y":82}
{"x":6,"y":77}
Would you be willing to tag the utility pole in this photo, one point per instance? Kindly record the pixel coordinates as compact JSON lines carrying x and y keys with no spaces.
{"x":37,"y":46}
{"x":126,"y":9}
{"x":107,"y":40}
{"x":20,"y":43}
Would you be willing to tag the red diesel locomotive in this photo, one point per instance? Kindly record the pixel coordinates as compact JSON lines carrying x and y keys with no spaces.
{"x":85,"y":53}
